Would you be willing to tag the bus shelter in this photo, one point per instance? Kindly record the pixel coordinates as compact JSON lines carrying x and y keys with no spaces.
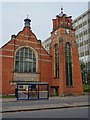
{"x":32,"y":90}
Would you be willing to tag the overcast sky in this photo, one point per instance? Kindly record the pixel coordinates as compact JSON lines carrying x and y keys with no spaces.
{"x":40,"y":13}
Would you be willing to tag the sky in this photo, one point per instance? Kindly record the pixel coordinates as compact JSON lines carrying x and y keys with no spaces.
{"x":12,"y":15}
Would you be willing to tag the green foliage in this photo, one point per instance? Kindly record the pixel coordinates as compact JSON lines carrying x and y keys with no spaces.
{"x":86,"y":87}
{"x":8,"y":96}
{"x":83,"y":71}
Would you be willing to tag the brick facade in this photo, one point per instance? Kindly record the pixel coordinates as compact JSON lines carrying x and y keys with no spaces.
{"x":45,"y":62}
{"x":60,"y":37}
{"x":8,"y":61}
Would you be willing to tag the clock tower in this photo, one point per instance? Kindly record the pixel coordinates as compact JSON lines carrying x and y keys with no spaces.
{"x":66,"y":74}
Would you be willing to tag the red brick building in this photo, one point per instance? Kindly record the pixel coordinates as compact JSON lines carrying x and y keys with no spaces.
{"x":24,"y":59}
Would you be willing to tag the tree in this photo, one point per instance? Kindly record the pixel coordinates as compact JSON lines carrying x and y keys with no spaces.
{"x":83,"y":71}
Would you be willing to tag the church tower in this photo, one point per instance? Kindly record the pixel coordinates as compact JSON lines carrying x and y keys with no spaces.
{"x":65,"y":60}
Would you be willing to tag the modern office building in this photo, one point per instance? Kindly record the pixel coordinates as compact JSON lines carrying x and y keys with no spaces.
{"x":82,"y":26}
{"x":47,"y":44}
{"x":24,"y":59}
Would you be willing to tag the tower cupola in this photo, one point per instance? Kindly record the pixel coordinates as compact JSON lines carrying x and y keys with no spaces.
{"x":27,"y":22}
{"x":62,"y":20}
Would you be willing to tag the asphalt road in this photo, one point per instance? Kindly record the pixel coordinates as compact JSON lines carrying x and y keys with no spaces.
{"x":57,"y":100}
{"x":54,"y":113}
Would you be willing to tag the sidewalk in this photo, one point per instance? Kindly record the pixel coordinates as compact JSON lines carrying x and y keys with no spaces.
{"x":54,"y":97}
{"x":65,"y":102}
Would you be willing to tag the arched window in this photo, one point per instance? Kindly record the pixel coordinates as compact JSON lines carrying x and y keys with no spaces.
{"x":56,"y":61}
{"x":25,"y":60}
{"x":68,"y":64}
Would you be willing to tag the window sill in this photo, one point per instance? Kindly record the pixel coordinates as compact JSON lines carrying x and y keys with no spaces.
{"x":56,"y":78}
{"x":69,"y":86}
{"x":27,"y":72}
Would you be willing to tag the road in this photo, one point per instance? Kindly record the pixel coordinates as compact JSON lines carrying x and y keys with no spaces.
{"x":54,"y":113}
{"x":51,"y":101}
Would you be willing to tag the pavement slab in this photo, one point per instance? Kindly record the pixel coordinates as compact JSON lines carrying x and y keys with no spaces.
{"x":12,"y":105}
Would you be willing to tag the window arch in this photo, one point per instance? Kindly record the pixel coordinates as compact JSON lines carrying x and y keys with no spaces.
{"x":69,"y":81}
{"x":56,"y":61}
{"x":25,"y":60}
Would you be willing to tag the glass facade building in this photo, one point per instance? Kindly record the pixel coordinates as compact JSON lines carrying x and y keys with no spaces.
{"x":82,"y":26}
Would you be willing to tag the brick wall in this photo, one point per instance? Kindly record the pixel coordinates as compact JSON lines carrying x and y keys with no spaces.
{"x":24,"y":38}
{"x":45,"y":62}
{"x":61,"y":38}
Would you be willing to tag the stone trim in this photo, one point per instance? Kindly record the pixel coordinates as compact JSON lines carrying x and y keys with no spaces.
{"x":13,"y":57}
{"x":44,"y":60}
{"x":44,"y":54}
{"x":27,"y":35}
{"x":7,"y":50}
{"x":25,"y":46}
{"x":6,"y":56}
{"x":27,"y":41}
